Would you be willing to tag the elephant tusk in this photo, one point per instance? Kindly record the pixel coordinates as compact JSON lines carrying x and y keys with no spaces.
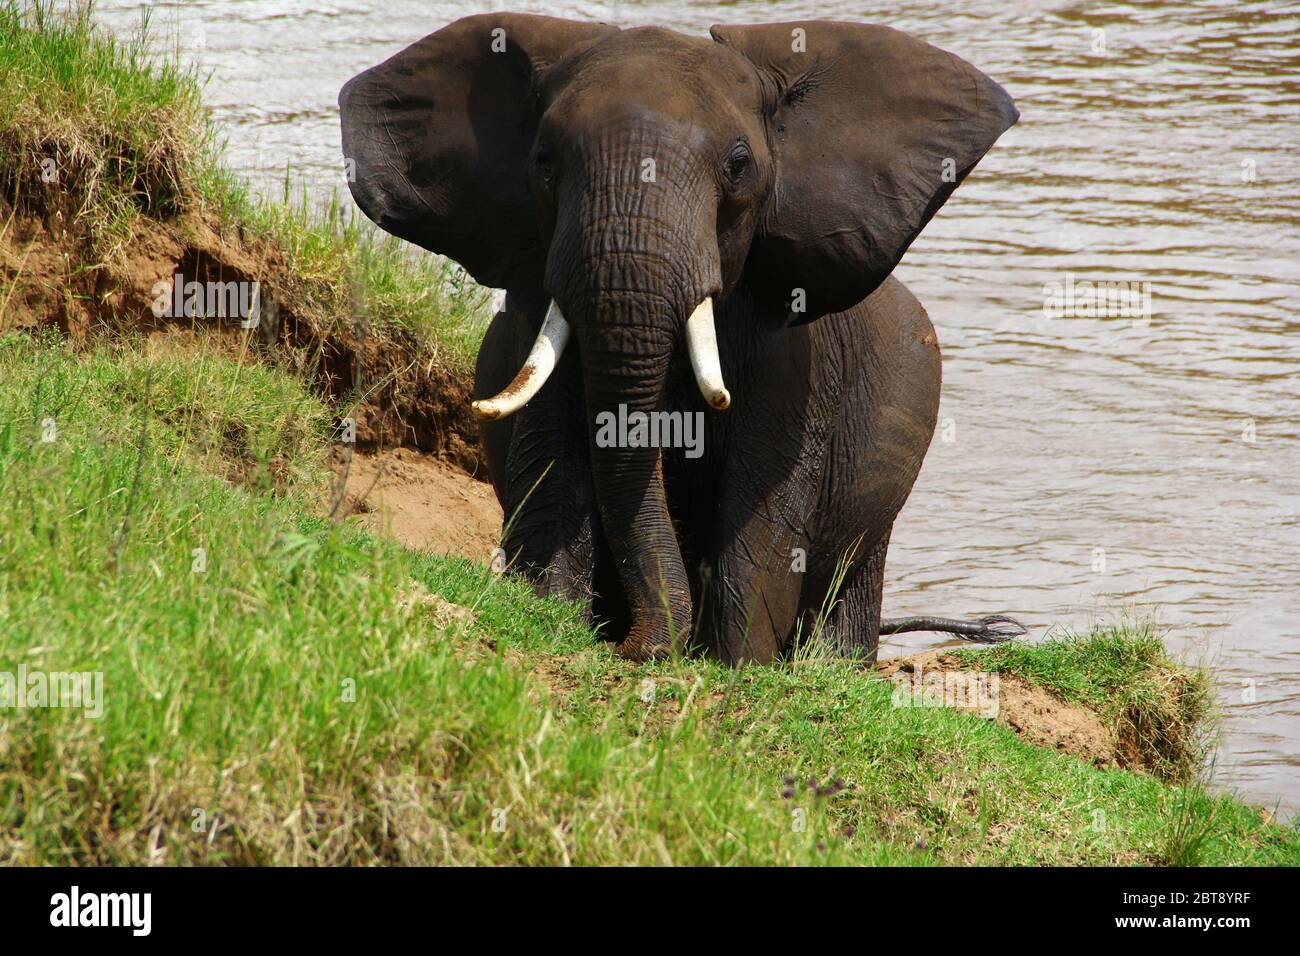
{"x":702,"y":343}
{"x":546,"y":352}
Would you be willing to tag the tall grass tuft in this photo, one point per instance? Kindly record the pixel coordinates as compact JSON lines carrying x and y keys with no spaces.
{"x":93,"y":128}
{"x":107,"y":141}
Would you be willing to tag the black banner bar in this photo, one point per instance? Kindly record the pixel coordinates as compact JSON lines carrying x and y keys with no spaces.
{"x":335,"y":906}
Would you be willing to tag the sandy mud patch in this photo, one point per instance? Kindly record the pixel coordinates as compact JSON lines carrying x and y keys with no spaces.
{"x":1033,"y":712}
{"x":422,"y":501}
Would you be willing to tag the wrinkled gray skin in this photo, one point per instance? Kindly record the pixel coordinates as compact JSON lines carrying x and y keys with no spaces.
{"x":793,"y":165}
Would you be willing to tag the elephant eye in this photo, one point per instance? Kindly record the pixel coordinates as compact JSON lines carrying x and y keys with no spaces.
{"x":738,"y":161}
{"x":543,"y":165}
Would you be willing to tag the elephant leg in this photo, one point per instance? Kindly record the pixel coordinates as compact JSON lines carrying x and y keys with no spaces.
{"x":549,"y":508}
{"x":752,"y":588}
{"x":750,"y":595}
{"x":763,"y":538}
{"x":539,"y":464}
{"x":846,"y":619}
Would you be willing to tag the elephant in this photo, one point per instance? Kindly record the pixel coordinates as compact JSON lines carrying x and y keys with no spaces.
{"x":677,"y":220}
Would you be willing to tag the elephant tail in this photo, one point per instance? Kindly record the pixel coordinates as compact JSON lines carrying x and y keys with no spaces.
{"x":986,"y":630}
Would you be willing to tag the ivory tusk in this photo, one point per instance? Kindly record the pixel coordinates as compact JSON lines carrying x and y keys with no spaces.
{"x":541,"y":362}
{"x":702,"y":344}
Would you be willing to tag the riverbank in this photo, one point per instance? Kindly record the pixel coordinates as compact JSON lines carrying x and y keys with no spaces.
{"x":280,"y":686}
{"x":112,"y":188}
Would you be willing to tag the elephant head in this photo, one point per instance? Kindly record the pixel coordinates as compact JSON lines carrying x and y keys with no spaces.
{"x":632,"y":177}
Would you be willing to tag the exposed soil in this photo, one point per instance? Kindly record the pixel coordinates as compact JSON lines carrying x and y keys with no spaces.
{"x":383,"y":375}
{"x":422,"y":501}
{"x":1033,"y":712}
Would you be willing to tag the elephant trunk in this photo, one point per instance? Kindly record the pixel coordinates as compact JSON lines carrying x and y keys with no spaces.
{"x":630,"y":262}
{"x":625,"y":373}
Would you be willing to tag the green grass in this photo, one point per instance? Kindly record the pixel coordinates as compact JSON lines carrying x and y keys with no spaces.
{"x":304,"y":699}
{"x":1162,"y":712}
{"x":89,"y":117}
{"x":340,"y":266}
{"x":131,"y":150}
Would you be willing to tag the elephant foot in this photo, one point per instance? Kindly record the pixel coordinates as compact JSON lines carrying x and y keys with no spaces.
{"x":642,"y":653}
{"x":649,"y":641}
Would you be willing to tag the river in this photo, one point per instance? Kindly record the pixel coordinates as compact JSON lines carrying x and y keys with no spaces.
{"x":1084,"y":467}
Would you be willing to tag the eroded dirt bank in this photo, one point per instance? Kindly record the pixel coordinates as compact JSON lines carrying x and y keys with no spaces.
{"x":396,"y":384}
{"x":1034,"y":713}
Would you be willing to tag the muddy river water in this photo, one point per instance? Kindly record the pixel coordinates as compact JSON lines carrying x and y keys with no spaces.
{"x":1086,"y":466}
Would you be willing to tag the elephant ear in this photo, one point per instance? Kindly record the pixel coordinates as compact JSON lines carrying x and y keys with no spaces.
{"x":873,"y":130}
{"x":437,"y":140}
